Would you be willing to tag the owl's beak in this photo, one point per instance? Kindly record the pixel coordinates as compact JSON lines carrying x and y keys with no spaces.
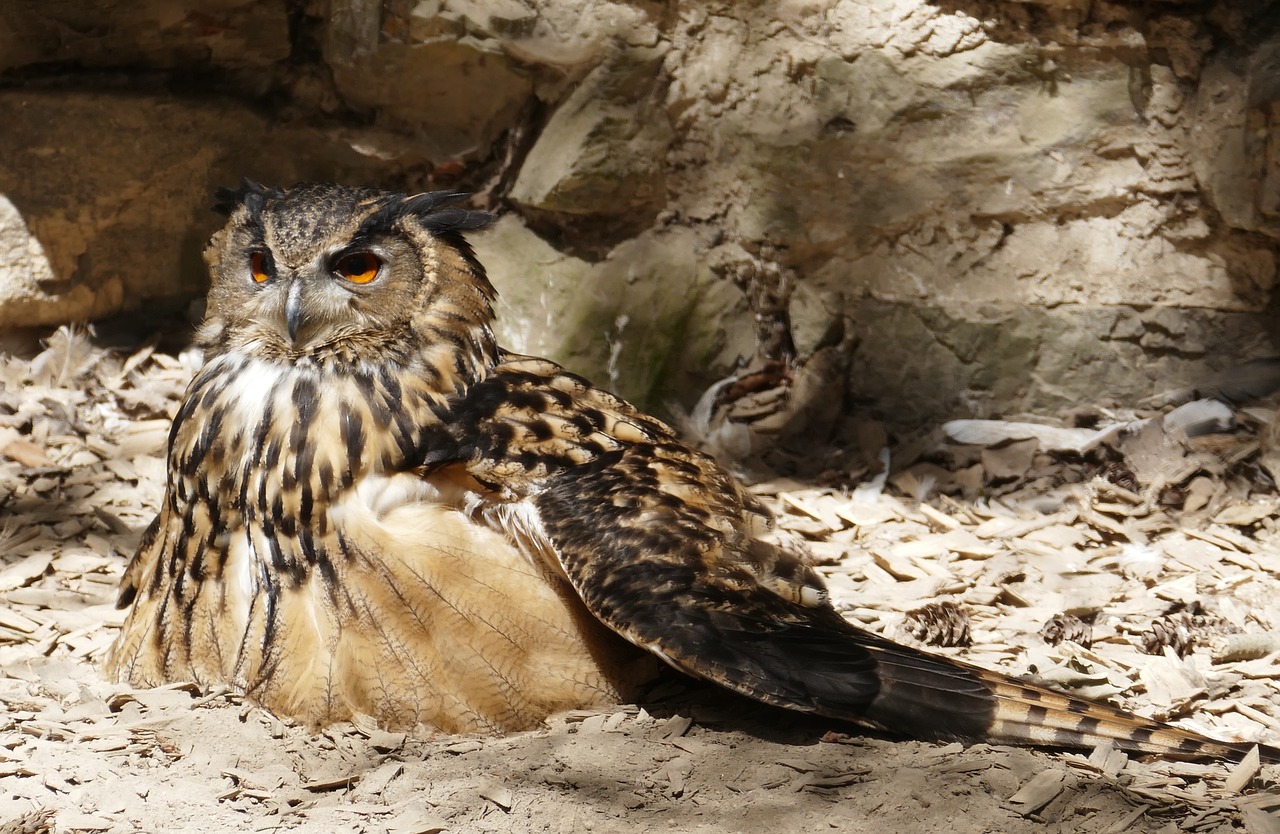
{"x":293,"y":309}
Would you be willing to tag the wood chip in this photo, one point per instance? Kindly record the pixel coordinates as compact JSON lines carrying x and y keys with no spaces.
{"x":673,"y":727}
{"x":811,"y":506}
{"x":1125,"y":823}
{"x":1200,"y":492}
{"x":14,"y":621}
{"x":832,"y":780}
{"x":938,"y":519}
{"x":1010,"y":460}
{"x":25,"y":571}
{"x":26,"y":453}
{"x":1106,"y":524}
{"x":464,"y":747}
{"x":1184,"y":590}
{"x":1042,"y":789}
{"x":1172,"y":684}
{"x":331,"y":782}
{"x":416,"y":819}
{"x":965,"y":543}
{"x":375,"y":782}
{"x":499,"y":794}
{"x":898,"y":567}
{"x":164,"y":698}
{"x":384,"y":741}
{"x":1243,"y":772}
{"x":1107,"y":759}
{"x":1153,"y":455}
{"x":1257,"y":715}
{"x":1010,"y":528}
{"x":1246,"y":514}
{"x":145,"y":437}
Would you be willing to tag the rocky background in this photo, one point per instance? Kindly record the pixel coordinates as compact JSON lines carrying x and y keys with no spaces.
{"x":1011,"y":205}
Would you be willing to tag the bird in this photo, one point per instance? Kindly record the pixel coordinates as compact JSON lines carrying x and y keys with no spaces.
{"x":373,"y":509}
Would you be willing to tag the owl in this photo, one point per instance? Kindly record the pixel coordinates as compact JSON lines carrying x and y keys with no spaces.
{"x":373,"y":509}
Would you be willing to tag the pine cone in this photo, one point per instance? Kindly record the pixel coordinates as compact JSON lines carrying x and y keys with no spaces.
{"x":1061,"y":627}
{"x":1183,"y":631}
{"x":1175,"y":631}
{"x":939,"y":624}
{"x":1122,"y":476}
{"x":33,"y":822}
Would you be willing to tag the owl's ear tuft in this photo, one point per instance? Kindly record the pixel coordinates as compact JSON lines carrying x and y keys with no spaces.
{"x":437,"y":212}
{"x":250,"y":194}
{"x":433,"y":210}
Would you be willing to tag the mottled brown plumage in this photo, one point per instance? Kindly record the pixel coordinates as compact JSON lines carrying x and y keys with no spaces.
{"x":374,"y":509}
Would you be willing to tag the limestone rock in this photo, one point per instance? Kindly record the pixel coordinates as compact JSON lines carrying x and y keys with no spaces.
{"x":603,"y":151}
{"x":99,"y":33}
{"x":1235,"y":150}
{"x":922,"y":364}
{"x":29,"y":291}
{"x":566,"y":36}
{"x":628,"y":321}
{"x":455,"y":92}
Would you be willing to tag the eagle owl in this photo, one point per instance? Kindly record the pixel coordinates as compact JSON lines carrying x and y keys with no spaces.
{"x":374,"y":509}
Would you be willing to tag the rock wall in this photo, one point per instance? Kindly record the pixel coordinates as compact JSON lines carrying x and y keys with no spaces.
{"x":1016,"y":205}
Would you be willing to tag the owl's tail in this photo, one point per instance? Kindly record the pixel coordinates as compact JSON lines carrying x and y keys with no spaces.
{"x":926,"y":694}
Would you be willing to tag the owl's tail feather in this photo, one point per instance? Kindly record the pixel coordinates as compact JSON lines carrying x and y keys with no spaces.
{"x":931,"y":695}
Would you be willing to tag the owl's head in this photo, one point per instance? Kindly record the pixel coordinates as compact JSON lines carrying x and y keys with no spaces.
{"x":329,"y":273}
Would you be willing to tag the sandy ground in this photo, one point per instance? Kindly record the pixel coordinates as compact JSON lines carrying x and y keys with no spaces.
{"x":1175,"y":580}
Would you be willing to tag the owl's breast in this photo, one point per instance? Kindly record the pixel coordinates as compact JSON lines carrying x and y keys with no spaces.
{"x":278,"y":443}
{"x":273,"y":425}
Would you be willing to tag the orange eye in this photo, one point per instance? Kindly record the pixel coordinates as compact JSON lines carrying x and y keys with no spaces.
{"x":358,"y":267}
{"x":258,"y":267}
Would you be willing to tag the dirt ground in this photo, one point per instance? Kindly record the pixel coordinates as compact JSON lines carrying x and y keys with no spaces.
{"x":1155,"y":557}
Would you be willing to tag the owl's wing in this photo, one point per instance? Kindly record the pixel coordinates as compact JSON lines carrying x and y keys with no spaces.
{"x":669,"y":562}
{"x":662,"y":546}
